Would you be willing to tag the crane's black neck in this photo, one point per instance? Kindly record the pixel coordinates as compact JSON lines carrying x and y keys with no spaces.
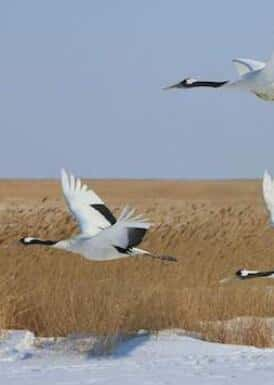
{"x":201,"y":83}
{"x":37,"y":241}
{"x":254,"y":275}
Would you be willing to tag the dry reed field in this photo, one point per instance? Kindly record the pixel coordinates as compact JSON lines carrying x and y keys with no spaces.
{"x":213,"y":228}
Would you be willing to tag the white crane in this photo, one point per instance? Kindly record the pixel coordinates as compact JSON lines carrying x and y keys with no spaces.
{"x":268,"y":194}
{"x":102,"y":237}
{"x":255,"y":76}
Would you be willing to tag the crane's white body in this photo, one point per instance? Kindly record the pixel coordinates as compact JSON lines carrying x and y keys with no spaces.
{"x":255,"y":76}
{"x":268,"y":194}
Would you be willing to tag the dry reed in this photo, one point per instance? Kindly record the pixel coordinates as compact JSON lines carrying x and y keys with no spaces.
{"x":212,"y":229}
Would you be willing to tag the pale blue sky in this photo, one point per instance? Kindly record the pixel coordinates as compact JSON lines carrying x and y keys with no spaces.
{"x":80,"y":87}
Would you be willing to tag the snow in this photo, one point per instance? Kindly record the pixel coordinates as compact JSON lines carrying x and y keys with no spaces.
{"x":163,"y":359}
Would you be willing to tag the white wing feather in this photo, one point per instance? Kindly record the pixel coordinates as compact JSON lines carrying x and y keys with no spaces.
{"x":243,"y":66}
{"x":118,"y":234}
{"x":268,"y":193}
{"x":80,"y":200}
{"x":114,"y":241}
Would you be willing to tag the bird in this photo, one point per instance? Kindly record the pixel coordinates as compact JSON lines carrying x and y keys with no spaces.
{"x":255,"y":76}
{"x":268,"y":195}
{"x":246,"y":274}
{"x":102,"y":237}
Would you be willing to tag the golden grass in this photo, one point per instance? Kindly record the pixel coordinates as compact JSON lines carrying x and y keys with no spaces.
{"x":239,"y":331}
{"x":213,"y":228}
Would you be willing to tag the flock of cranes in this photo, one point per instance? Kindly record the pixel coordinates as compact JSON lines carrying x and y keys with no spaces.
{"x":103,"y":236}
{"x":258,"y":78}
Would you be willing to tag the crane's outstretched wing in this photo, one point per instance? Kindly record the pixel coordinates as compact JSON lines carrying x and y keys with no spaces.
{"x":126,"y":233}
{"x":243,"y":66}
{"x":88,"y":209}
{"x":268,"y":193}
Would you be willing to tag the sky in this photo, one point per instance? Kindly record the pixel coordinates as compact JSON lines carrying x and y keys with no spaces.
{"x":81,"y":88}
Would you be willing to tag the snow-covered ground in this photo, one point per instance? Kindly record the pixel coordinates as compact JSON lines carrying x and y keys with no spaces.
{"x":168,"y":358}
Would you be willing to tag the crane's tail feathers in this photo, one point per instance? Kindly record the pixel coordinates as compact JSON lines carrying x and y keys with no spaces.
{"x":135,"y":251}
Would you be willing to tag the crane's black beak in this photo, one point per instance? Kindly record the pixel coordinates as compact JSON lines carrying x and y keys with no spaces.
{"x":228,"y":279}
{"x":172,"y":86}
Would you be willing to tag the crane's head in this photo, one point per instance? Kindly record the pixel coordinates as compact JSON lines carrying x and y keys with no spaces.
{"x":185,"y":83}
{"x":240,"y":274}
